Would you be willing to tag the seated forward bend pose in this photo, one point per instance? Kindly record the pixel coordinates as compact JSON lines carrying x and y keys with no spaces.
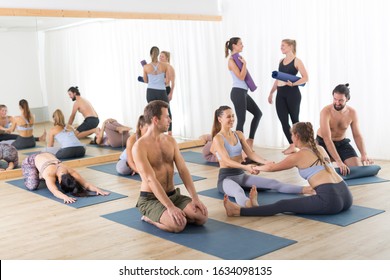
{"x":47,"y":167}
{"x":112,"y":134}
{"x":165,"y":56}
{"x":91,"y":119}
{"x":288,"y":98}
{"x":334,"y":122}
{"x":232,"y":179}
{"x":208,"y":150}
{"x":155,"y":154}
{"x":125,"y":164}
{"x":70,"y":145}
{"x":156,"y":74}
{"x":6,"y":126}
{"x":24,"y":124}
{"x":9,"y":154}
{"x":239,"y":93}
{"x":332,"y":193}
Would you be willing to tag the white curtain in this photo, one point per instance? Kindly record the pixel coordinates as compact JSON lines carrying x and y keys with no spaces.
{"x":339,"y":41}
{"x":103,"y":60}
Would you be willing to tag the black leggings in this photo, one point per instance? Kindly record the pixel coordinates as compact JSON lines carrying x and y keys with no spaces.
{"x":243,"y":102}
{"x":288,"y":101}
{"x":330,"y":199}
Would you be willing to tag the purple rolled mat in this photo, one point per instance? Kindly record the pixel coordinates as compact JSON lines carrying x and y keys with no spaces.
{"x":248,"y":79}
{"x":143,"y":62}
{"x":285,"y":77}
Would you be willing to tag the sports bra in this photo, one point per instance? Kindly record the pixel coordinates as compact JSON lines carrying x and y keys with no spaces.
{"x":27,"y":126}
{"x":156,"y":80}
{"x":47,"y":163}
{"x":314,"y":168}
{"x":232,"y":151}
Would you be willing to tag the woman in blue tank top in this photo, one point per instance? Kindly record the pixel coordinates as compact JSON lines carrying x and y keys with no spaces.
{"x":232,"y":179}
{"x":332,"y":195}
{"x":156,"y":75}
{"x":69,"y":145}
{"x":239,"y":94}
{"x":288,"y":99}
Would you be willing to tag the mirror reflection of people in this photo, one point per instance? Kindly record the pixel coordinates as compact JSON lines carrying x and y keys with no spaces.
{"x":45,"y":166}
{"x":24,"y":125}
{"x":91,"y":119}
{"x":165,"y":56}
{"x":9,"y":155}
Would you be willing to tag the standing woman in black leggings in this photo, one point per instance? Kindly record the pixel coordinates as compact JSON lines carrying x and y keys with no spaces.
{"x":239,"y":95}
{"x":288,"y":99}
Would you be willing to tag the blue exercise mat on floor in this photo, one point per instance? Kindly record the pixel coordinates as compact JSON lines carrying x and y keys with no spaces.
{"x":223,"y":240}
{"x":110,"y":168}
{"x":352,"y":215}
{"x":80,"y":202}
{"x":106,"y":147}
{"x":198,"y":158}
{"x":360,"y":175}
{"x":63,"y":159}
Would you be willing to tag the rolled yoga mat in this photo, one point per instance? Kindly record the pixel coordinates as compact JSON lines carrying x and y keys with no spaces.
{"x":362,"y":175}
{"x":248,"y":79}
{"x":285,"y":77}
{"x":140,"y":78}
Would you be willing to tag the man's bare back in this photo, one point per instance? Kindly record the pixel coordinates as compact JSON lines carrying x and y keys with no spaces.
{"x":84,"y":107}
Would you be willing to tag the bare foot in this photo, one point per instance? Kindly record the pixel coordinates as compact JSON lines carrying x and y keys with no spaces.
{"x":232,"y":209}
{"x":308,"y":190}
{"x":290,"y":150}
{"x":147,"y":220}
{"x":250,"y":143}
{"x":253,"y":196}
{"x":43,"y":136}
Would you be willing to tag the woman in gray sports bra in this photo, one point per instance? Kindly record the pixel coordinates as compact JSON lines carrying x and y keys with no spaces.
{"x":332,"y":193}
{"x":232,"y":179}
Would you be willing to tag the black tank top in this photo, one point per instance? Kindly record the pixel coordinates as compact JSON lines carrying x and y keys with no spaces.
{"x":289,"y":68}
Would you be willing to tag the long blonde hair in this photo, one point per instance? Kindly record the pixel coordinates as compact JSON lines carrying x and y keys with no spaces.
{"x":59,"y":118}
{"x":304,"y":131}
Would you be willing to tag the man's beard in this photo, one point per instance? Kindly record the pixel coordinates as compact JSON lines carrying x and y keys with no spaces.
{"x":338,"y":108}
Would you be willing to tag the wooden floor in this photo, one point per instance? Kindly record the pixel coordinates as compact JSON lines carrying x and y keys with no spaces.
{"x":34,"y":227}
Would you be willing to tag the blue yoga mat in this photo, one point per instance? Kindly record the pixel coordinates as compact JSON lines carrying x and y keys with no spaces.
{"x":110,"y":168}
{"x":222,"y":240}
{"x":198,"y":158}
{"x":285,"y":77}
{"x":361,"y":175}
{"x":107,"y":147}
{"x":80,"y":202}
{"x":352,"y":215}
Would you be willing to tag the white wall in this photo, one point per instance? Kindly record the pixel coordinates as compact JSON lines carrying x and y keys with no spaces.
{"x":19,"y":70}
{"x":204,"y":7}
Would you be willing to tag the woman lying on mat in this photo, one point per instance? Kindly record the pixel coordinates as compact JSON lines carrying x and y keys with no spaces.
{"x":47,"y":167}
{"x":208,"y":150}
{"x":9,"y":154}
{"x":232,"y":179}
{"x":126,"y":165}
{"x":112,"y":134}
{"x":332,"y":193}
{"x":70,"y":145}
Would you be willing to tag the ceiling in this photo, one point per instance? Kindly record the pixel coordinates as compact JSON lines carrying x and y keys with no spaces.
{"x":28,"y":24}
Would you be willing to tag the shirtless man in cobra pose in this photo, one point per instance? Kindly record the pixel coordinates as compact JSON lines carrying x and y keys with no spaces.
{"x":82,"y":105}
{"x":334,"y":122}
{"x":155,"y":154}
